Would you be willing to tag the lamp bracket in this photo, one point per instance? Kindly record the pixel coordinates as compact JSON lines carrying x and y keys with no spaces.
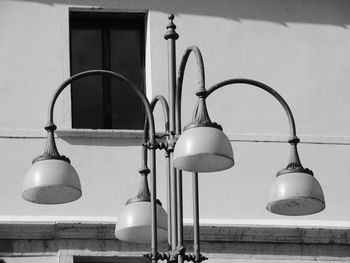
{"x":294,"y":164}
{"x":143,"y":194}
{"x":200,"y":116}
{"x":142,"y":199}
{"x":138,"y":199}
{"x":51,"y":151}
{"x":294,"y":168}
{"x":50,"y":157}
{"x":203,"y":124}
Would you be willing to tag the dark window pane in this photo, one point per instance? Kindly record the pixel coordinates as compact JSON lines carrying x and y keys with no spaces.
{"x":126,"y":59}
{"x":87,"y":96}
{"x":111,"y":42}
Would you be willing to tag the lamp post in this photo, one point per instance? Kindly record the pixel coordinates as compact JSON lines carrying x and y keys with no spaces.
{"x":201,"y":147}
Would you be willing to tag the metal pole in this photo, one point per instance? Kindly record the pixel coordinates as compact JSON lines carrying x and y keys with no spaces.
{"x":180,"y":217}
{"x":165,"y":107}
{"x":171,"y":37}
{"x":154,"y":206}
{"x":196,"y":243}
{"x":168,"y":167}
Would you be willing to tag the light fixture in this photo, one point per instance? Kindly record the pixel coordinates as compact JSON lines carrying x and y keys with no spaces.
{"x":134,"y":223}
{"x":202,"y":147}
{"x":51,"y":179}
{"x":295,"y":191}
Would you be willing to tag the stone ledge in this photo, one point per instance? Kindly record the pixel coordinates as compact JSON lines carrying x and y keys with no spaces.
{"x":209,"y":233}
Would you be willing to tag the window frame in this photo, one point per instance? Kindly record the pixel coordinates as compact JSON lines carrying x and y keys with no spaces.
{"x":106,"y":19}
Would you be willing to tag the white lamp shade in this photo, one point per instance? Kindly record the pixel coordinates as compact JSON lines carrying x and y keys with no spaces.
{"x":295,"y":194}
{"x":51,"y":181}
{"x":134,"y":223}
{"x":203,"y":149}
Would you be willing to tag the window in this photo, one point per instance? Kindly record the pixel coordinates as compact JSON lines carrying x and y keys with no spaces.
{"x":110,"y":41}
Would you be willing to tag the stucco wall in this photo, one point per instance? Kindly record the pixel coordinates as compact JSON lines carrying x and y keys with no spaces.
{"x":300,"y":48}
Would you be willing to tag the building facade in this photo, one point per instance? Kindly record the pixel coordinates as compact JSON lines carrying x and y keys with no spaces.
{"x":299,"y":48}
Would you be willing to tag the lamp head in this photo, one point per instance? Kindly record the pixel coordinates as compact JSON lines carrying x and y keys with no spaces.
{"x":135,"y":223}
{"x":295,"y":193}
{"x":203,"y":147}
{"x":51,"y":181}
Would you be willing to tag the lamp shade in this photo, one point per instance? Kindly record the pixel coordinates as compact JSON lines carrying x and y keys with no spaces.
{"x":51,"y":181}
{"x":296,"y":193}
{"x":203,"y":149}
{"x":134,"y":223}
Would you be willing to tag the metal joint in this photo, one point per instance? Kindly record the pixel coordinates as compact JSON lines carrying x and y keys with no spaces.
{"x":171,"y":143}
{"x":294,"y":140}
{"x":180,"y":250}
{"x":195,"y":258}
{"x":173,"y":255}
{"x":202,"y":92}
{"x":50,"y":127}
{"x":160,"y":255}
{"x":155,"y":145}
{"x":144,"y":170}
{"x":162,"y":145}
{"x":151,"y":145}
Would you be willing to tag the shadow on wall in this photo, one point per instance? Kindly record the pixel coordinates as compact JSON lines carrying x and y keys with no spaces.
{"x":335,"y":12}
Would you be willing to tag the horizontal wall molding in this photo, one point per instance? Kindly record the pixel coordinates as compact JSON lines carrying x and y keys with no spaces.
{"x":274,"y":138}
{"x":30,"y":230}
{"x":22,"y":134}
{"x":224,"y":243}
{"x":138,"y":134}
{"x":99,"y":133}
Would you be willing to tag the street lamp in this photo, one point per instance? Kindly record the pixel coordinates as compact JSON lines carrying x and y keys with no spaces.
{"x":202,"y":147}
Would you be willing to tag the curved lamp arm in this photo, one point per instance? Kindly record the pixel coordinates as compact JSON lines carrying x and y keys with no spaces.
{"x":181,"y":73}
{"x":268,"y":89}
{"x":144,"y":169}
{"x":165,"y":107}
{"x":143,"y":193}
{"x":109,"y":74}
{"x":50,"y":127}
{"x":294,"y":160}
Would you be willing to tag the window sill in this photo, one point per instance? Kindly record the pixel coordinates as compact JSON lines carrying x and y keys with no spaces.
{"x":99,"y":133}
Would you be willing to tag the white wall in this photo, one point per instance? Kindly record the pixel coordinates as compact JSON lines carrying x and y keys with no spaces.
{"x":299,"y":48}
